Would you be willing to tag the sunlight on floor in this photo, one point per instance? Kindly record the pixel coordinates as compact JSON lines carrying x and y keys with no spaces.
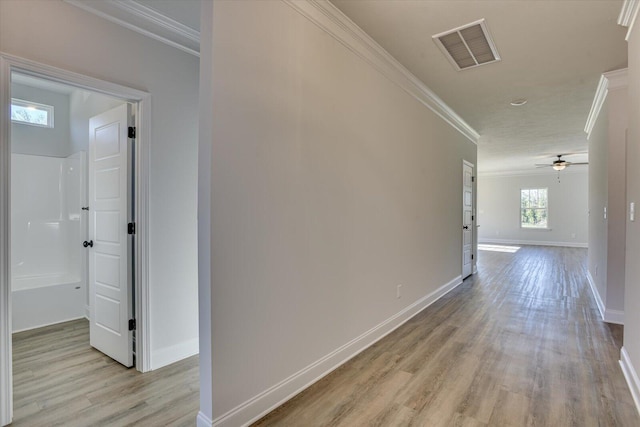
{"x":498,"y":248}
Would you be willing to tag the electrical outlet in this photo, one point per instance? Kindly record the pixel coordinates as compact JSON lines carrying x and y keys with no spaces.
{"x":573,"y":235}
{"x":632,"y":211}
{"x":398,"y":291}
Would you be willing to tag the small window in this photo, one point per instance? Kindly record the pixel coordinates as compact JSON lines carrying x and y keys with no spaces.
{"x":31,"y":113}
{"x":534,"y":208}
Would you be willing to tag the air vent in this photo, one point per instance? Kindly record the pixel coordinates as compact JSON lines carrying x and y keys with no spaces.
{"x":468,"y":46}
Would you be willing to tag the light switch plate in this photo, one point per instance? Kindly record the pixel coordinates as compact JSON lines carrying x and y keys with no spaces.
{"x":632,"y":211}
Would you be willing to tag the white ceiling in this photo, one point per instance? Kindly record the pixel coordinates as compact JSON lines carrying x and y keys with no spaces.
{"x":553,"y":53}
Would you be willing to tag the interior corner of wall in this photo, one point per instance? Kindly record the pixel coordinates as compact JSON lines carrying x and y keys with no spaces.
{"x":167,"y":355}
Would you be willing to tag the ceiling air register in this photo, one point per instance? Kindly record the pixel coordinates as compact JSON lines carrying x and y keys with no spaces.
{"x":468,"y":46}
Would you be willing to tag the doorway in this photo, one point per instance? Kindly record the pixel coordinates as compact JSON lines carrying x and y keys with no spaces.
{"x":67,"y":168}
{"x":12,"y":68}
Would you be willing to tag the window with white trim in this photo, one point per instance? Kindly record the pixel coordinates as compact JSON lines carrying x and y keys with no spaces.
{"x":534,"y":208}
{"x":31,"y":113}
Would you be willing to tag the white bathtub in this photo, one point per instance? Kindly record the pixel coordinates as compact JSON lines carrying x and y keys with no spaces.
{"x":34,"y":282}
{"x":45,"y":300}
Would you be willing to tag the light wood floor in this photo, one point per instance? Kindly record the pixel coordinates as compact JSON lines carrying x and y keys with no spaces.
{"x":59,"y":380}
{"x":518,"y":344}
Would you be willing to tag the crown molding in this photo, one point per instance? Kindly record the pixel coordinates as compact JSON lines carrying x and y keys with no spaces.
{"x":596,"y":105}
{"x":612,"y":80}
{"x":534,"y":172}
{"x":146,"y":21}
{"x":331,"y":20}
{"x":617,"y":79}
{"x":628,"y":15}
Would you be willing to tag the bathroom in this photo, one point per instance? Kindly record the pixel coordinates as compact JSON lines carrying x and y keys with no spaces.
{"x":49,"y":176}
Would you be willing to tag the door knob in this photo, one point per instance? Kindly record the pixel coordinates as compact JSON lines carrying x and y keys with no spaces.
{"x":89,"y":243}
{"x":466,"y":227}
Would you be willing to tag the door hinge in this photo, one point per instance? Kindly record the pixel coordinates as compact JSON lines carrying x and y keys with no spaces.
{"x":473,"y":178}
{"x":132,"y":324}
{"x":471,"y":256}
{"x":472,"y":217}
{"x":132,"y":132}
{"x":131,"y":228}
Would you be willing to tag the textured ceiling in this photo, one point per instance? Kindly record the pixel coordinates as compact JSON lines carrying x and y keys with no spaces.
{"x":553,"y":53}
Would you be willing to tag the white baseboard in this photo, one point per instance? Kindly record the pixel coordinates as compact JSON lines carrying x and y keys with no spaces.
{"x":596,"y":294}
{"x":168,"y":355}
{"x":533,"y":243}
{"x":260,"y":405}
{"x":203,"y":421}
{"x":608,"y":315}
{"x":631,"y":376}
{"x":614,"y":316}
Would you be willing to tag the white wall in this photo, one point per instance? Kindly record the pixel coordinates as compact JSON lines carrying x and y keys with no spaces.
{"x":499,"y":209}
{"x":59,"y":34}
{"x":607,"y":190}
{"x":26,"y":139}
{"x":598,"y":200}
{"x":631,"y":349}
{"x":616,"y":194}
{"x":329,"y":186}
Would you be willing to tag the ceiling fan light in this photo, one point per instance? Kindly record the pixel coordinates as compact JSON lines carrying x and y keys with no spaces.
{"x":559,"y":167}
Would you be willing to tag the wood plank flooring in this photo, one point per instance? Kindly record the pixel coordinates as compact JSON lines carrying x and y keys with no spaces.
{"x":518,"y":344}
{"x":59,"y":380}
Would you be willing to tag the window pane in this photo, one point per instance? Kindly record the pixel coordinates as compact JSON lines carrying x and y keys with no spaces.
{"x":524,"y":198}
{"x":31,"y":113}
{"x":533,"y":208}
{"x":534,"y":217}
{"x":543,"y":197}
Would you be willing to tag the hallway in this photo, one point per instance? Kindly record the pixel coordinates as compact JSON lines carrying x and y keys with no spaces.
{"x":520,"y":343}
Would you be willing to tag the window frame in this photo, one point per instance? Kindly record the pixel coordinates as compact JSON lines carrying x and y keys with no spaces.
{"x":546,"y":208}
{"x":29,"y":104}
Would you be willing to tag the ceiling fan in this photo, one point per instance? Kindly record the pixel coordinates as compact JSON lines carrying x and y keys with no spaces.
{"x":560,"y":164}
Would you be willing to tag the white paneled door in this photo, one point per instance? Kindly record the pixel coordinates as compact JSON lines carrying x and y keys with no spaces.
{"x":467,"y":219}
{"x":109,"y":245}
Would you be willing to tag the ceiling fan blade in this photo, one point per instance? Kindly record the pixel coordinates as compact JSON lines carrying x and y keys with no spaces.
{"x":577,"y":163}
{"x":574,"y":153}
{"x":542,"y":166}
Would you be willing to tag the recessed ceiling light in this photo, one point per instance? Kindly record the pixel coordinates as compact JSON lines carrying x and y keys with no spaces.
{"x":518,"y":102}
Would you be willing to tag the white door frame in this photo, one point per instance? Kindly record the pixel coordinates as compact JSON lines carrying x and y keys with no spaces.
{"x":8,"y":64}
